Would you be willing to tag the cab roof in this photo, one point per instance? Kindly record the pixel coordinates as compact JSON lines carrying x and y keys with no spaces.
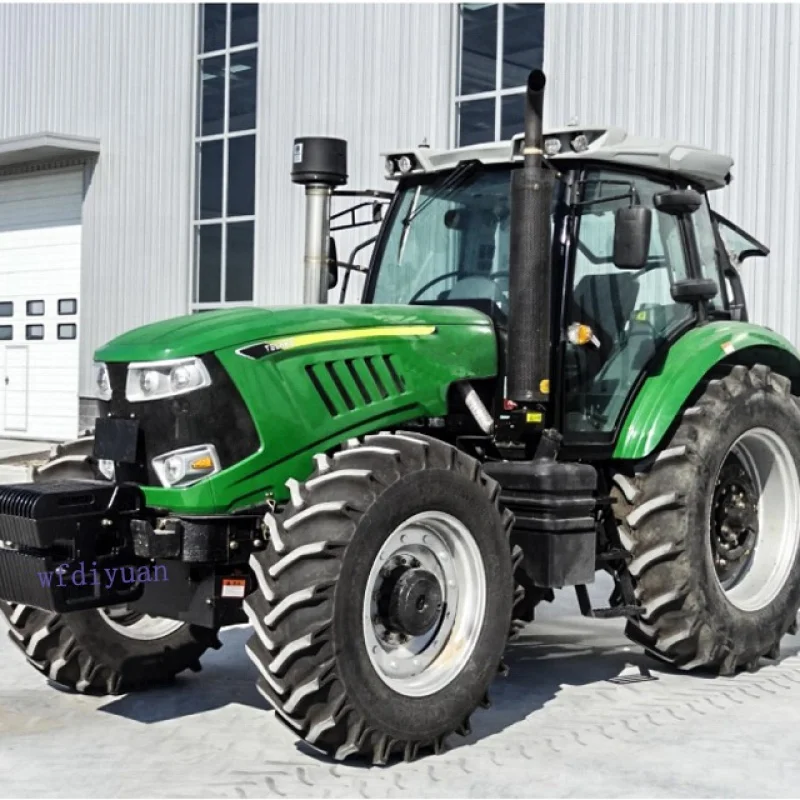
{"x":614,"y":146}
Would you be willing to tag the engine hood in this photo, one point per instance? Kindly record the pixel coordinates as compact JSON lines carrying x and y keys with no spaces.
{"x":196,"y":334}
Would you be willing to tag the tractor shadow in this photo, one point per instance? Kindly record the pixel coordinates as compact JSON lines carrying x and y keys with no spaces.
{"x":558,"y":650}
{"x":540,"y":661}
{"x":540,"y":664}
{"x":228,"y":677}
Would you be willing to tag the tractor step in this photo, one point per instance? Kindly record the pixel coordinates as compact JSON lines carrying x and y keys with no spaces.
{"x":617,"y":611}
{"x":585,"y":604}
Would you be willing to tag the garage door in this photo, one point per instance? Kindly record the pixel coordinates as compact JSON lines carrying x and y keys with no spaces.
{"x":40,"y":249}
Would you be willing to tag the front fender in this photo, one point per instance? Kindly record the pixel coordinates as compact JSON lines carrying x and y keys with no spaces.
{"x":666,"y":390}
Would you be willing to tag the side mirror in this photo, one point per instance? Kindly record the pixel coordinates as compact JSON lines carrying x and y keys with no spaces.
{"x":333,"y":263}
{"x":693,"y":290}
{"x":678,"y":201}
{"x":632,"y":237}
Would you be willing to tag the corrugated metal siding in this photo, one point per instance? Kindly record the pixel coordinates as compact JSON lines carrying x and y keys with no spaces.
{"x":376,"y":75}
{"x":122,"y":74}
{"x":722,"y":76}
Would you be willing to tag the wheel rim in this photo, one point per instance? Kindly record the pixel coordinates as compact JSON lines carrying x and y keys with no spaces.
{"x":755,"y":519}
{"x":424,"y":604}
{"x":142,"y":627}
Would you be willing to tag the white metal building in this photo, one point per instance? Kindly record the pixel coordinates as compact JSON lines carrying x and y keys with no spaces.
{"x":145,"y":149}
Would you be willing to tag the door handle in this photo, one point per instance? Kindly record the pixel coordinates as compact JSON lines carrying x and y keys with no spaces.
{"x":6,"y":380}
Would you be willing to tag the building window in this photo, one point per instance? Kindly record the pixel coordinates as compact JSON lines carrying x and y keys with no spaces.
{"x":68,"y":331}
{"x":34,"y":332}
{"x":68,"y":306}
{"x":500,"y":43}
{"x":225,"y":154}
{"x":6,"y":333}
{"x":34,"y":308}
{"x":6,"y":308}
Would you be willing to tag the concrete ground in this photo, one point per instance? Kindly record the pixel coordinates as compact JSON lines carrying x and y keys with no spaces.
{"x":582,"y":713}
{"x":18,"y":455}
{"x":12,"y":450}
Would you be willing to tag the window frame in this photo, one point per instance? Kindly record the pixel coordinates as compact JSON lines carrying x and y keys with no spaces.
{"x":223,"y":220}
{"x":67,"y":300}
{"x":722,"y":309}
{"x":29,"y":337}
{"x":498,"y":93}
{"x":73,"y":325}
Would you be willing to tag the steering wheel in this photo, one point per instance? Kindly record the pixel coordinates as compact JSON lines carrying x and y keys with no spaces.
{"x":439,"y":278}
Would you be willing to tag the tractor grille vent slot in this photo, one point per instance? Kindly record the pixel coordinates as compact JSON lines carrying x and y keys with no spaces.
{"x":353,"y":383}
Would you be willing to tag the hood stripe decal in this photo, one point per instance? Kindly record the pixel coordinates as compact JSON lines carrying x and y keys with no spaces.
{"x":263,"y":349}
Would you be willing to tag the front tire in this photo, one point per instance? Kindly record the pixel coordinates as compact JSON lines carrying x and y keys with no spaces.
{"x":713,"y":525}
{"x":384,"y":602}
{"x":106,"y":651}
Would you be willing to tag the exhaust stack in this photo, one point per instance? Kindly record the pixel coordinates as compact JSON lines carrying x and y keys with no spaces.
{"x":529,"y":261}
{"x":320,"y":164}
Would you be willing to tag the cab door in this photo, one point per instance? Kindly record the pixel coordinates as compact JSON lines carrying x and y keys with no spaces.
{"x":631,"y":313}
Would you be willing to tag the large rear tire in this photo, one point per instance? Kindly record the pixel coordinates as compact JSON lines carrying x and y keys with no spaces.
{"x":384,"y":601}
{"x":108,"y":650}
{"x":713,"y":524}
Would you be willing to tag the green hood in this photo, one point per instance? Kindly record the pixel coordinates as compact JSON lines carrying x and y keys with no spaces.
{"x":196,"y":334}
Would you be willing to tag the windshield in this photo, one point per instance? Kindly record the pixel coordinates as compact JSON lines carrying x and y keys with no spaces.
{"x":448,"y":242}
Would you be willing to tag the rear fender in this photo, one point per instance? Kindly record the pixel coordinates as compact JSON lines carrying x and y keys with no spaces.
{"x":667,"y":388}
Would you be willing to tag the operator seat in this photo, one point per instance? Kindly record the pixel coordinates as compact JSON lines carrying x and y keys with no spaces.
{"x":605,"y":303}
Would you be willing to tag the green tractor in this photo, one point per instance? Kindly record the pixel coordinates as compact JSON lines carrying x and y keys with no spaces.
{"x":551,"y":373}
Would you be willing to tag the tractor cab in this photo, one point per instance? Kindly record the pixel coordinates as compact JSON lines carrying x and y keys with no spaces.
{"x":636,"y":255}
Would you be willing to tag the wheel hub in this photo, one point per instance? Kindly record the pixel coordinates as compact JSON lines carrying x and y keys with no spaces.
{"x":734,"y":531}
{"x":424,"y":604}
{"x":755,"y":519}
{"x":415,"y":604}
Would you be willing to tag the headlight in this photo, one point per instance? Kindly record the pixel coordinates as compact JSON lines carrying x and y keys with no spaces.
{"x":186,"y":466}
{"x":102,"y":381}
{"x":156,"y":379}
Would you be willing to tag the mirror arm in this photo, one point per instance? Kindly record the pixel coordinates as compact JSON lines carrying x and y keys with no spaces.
{"x":351,"y":266}
{"x":376,"y":203}
{"x":363,"y":193}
